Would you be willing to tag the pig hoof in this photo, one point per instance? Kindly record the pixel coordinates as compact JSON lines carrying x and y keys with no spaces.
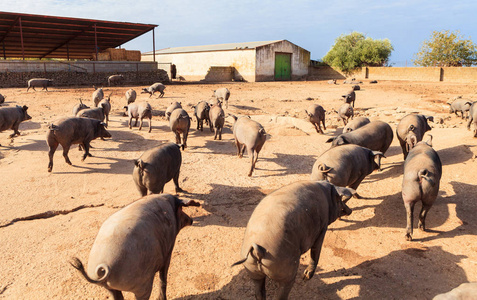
{"x":179,"y":190}
{"x":308,"y":274}
{"x":408,"y":237}
{"x":50,"y":169}
{"x":421,"y":227}
{"x":250,"y":174}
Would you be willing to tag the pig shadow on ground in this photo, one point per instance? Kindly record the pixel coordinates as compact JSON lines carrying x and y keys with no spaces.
{"x":29,"y":125}
{"x":129,"y":141}
{"x":455,"y":155}
{"x":228,"y":205}
{"x":117,"y":166}
{"x":393,"y":150}
{"x":466,"y":210}
{"x":224,"y":146}
{"x":245,"y":107}
{"x":389,"y":171}
{"x":390,"y":213}
{"x":290,"y":163}
{"x":30,"y":145}
{"x":241,"y":287}
{"x":413,"y":273}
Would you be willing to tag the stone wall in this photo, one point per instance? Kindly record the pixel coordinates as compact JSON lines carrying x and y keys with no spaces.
{"x":75,"y":66}
{"x":218,"y":74}
{"x":63,"y":78}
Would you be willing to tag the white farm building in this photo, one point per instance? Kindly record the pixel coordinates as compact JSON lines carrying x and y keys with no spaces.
{"x":253,"y":61}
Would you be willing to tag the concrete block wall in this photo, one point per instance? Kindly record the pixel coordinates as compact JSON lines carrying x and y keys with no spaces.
{"x":460,"y":74}
{"x":62,"y":78}
{"x":76,"y":66}
{"x":406,"y":73}
{"x":218,"y":74}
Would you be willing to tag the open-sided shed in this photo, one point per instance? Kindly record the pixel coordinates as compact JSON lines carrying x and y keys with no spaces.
{"x":39,"y":36}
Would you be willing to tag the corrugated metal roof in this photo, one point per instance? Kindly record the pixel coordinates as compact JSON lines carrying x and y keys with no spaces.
{"x":61,"y":37}
{"x":219,"y":47}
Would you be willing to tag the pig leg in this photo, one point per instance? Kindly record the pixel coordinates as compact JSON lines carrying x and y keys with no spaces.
{"x":163,"y":278}
{"x":145,"y":292}
{"x":220,"y":133}
{"x":422,"y":217}
{"x":130,"y":122}
{"x":238,"y":148}
{"x":409,"y":213}
{"x":184,"y":137}
{"x":319,"y":128}
{"x":176,"y":183}
{"x":284,"y":289}
{"x":259,"y":284}
{"x":117,"y":295}
{"x":314,"y":256}
{"x":135,"y":124}
{"x":178,"y":137}
{"x":86,"y":150}
{"x":323,"y":121}
{"x":140,"y":124}
{"x":243,"y":150}
{"x":53,"y":146}
{"x":403,"y":147}
{"x":252,"y":154}
{"x":150,"y":124}
{"x":66,"y":149}
{"x":211,"y":127}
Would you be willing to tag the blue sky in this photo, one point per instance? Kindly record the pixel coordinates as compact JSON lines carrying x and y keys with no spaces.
{"x":313,"y":25}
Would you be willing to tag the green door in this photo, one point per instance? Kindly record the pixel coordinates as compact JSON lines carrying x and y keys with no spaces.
{"x":282,"y":66}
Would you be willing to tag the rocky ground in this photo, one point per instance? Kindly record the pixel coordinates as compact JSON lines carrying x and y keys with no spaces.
{"x":46,"y":218}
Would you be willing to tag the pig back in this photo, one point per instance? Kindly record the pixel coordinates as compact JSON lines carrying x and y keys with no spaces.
{"x":179,"y":120}
{"x":421,"y":160}
{"x":217,"y":116}
{"x":286,"y":223}
{"x":135,"y":242}
{"x":356,"y":123}
{"x":346,"y":164}
{"x":249,"y":132}
{"x":161,"y":164}
{"x":93,"y":113}
{"x":317,"y":113}
{"x":376,"y":136}
{"x":418,"y":123}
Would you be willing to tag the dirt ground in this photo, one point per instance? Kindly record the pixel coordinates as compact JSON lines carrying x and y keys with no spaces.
{"x":46,"y":218}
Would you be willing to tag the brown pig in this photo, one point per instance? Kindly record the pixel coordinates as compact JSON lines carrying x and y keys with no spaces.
{"x":180,"y":123}
{"x":11,"y":117}
{"x":217,"y":120}
{"x":316,"y":115}
{"x":345,"y":112}
{"x":93,"y":113}
{"x":156,"y":167}
{"x":410,"y":131}
{"x":134,"y":244}
{"x":355,"y":124}
{"x":346,"y":165}
{"x":376,"y":135}
{"x":422,"y":175}
{"x":69,"y":131}
{"x":251,"y":135}
{"x":171,"y":108}
{"x":139,"y":110}
{"x":473,"y":119}
{"x":201,"y":112}
{"x":286,"y":224}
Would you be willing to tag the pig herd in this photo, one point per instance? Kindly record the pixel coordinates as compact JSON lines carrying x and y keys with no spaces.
{"x":137,"y":241}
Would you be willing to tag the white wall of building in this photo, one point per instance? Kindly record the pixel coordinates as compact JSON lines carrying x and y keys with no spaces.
{"x":195,"y":65}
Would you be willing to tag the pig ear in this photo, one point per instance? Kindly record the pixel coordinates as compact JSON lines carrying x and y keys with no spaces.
{"x":345,"y":193}
{"x":429,"y":139}
{"x":330,"y":140}
{"x":430,"y":118}
{"x":190,"y":203}
{"x":411,"y":128}
{"x":104,"y":124}
{"x":25,"y":108}
{"x":379,"y":153}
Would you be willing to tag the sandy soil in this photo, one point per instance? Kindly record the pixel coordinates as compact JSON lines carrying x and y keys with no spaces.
{"x":46,"y":218}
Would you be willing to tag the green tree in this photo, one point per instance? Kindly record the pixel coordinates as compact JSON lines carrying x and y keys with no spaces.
{"x":355,"y":50}
{"x":446,"y":49}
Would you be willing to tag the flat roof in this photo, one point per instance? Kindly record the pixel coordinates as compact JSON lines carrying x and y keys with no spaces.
{"x":218,"y":47}
{"x":56,"y":37}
